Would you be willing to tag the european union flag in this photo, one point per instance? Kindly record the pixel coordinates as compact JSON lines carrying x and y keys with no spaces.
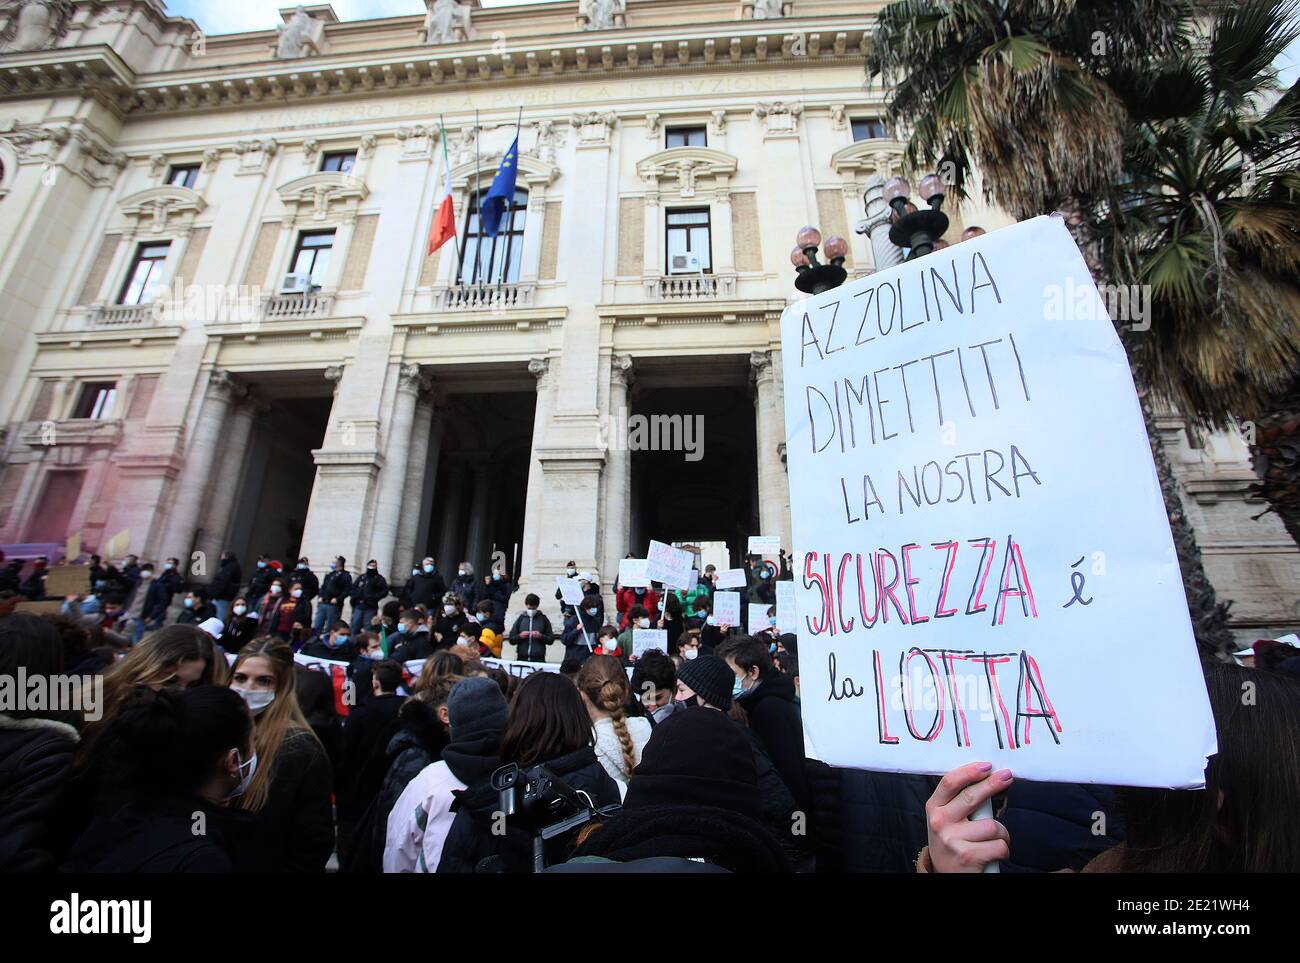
{"x":502,"y":192}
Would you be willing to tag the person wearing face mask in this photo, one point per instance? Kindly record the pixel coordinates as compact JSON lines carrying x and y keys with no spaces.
{"x":335,"y":588}
{"x":570,"y":571}
{"x":689,"y":646}
{"x":240,"y":626}
{"x":225,"y":584}
{"x":310,"y":583}
{"x":171,"y":758}
{"x":33,"y":587}
{"x":426,"y":586}
{"x":496,"y":589}
{"x":449,"y":620}
{"x":762,"y":590}
{"x":137,"y":602}
{"x":290,"y":790}
{"x":466,"y":586}
{"x":638,"y":617}
{"x":628,"y":597}
{"x":295,"y":615}
{"x":367,"y":732}
{"x":767,"y":697}
{"x":413,"y":640}
{"x":367,"y":592}
{"x":532,"y":631}
{"x":260,"y":581}
{"x":654,"y":685}
{"x":581,"y":628}
{"x":335,"y":645}
{"x":195,"y":608}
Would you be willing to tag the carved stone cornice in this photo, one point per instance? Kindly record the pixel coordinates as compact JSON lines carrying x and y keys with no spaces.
{"x":324,"y":195}
{"x":159,"y":209}
{"x":688,"y":166}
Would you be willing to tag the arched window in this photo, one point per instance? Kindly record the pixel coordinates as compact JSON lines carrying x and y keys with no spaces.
{"x":493,"y":260}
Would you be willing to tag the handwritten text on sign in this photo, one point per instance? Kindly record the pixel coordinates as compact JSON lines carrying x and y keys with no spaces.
{"x":986,"y":570}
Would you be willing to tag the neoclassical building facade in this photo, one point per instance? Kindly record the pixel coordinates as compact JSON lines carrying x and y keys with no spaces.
{"x":222,"y":328}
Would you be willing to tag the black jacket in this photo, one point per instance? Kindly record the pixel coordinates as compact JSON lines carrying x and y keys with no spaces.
{"x":1052,"y":825}
{"x":471,"y":840}
{"x":336,"y":588}
{"x":366,"y":734}
{"x":260,"y":582}
{"x":774,"y":716}
{"x":426,"y":589}
{"x":159,"y":594}
{"x":417,"y":740}
{"x":498,"y":592}
{"x":294,"y":832}
{"x":158,"y":836}
{"x":416,"y":645}
{"x":532,"y":649}
{"x":867,"y":822}
{"x":369,"y":590}
{"x":196,"y":615}
{"x":315,"y":691}
{"x":240,"y":630}
{"x":225,"y":584}
{"x":35,"y":762}
{"x":469,"y":588}
{"x":310,"y":583}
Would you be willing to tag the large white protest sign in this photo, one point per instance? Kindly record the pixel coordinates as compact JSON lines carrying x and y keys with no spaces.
{"x":731,"y":578}
{"x":986,"y":571}
{"x":645,"y":639}
{"x":669,"y":565}
{"x":726,"y":608}
{"x":631,"y":573}
{"x":570,"y":590}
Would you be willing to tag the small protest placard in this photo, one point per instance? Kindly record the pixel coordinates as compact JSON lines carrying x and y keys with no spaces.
{"x":632,"y":573}
{"x":645,"y":639}
{"x":756,"y":617}
{"x":570,"y":590}
{"x":731,"y":578}
{"x":726,"y":608}
{"x":764,"y":544}
{"x":669,"y":565}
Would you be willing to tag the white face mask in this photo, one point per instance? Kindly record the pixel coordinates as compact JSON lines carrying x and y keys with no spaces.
{"x":643,"y":623}
{"x":691,"y":654}
{"x":240,"y":609}
{"x":572,"y":572}
{"x":530,"y":612}
{"x":462,"y":572}
{"x":257,"y":699}
{"x":246,"y":777}
{"x":449,"y":609}
{"x":297,"y":593}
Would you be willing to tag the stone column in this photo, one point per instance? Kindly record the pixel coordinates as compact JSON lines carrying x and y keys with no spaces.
{"x":769,"y":436}
{"x":187,"y":506}
{"x":618,"y":468}
{"x":392,"y":476}
{"x":540,"y":369}
{"x":221,"y":504}
{"x":449,"y":544}
{"x":408,"y":553}
{"x":876,"y":225}
{"x":476,"y":536}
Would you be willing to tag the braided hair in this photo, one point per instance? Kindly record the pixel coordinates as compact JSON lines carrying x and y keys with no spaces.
{"x":603,"y":681}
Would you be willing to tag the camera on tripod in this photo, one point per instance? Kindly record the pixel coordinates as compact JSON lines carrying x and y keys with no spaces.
{"x":544,"y":805}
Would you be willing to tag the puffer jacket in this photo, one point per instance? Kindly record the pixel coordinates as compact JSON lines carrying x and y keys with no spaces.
{"x":867,"y":822}
{"x":35,"y":762}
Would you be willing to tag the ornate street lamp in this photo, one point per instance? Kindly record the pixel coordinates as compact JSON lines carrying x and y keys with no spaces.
{"x":918,"y":230}
{"x":815,"y":277}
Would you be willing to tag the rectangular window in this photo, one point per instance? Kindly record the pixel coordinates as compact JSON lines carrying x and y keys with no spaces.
{"x":143,"y":276}
{"x":341,"y":161}
{"x":96,"y":400}
{"x":494,"y":260}
{"x":688,"y":241}
{"x":686,"y":137}
{"x":312,"y":255}
{"x":183,"y":175}
{"x":869,"y":128}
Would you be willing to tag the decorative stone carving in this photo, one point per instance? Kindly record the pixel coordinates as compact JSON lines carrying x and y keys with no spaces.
{"x":594,"y":128}
{"x":839,"y":117}
{"x":416,"y":140}
{"x":540,"y":368}
{"x":35,"y":24}
{"x":367,"y":145}
{"x":718,"y":122}
{"x":301,"y":36}
{"x":334,"y":375}
{"x":620,"y":370}
{"x":446,"y":21}
{"x":255,"y":155}
{"x":35,"y":144}
{"x":765,"y":9}
{"x":157,"y":162}
{"x":411,"y":378}
{"x":652,"y":126}
{"x":156,"y":209}
{"x":549,"y":137}
{"x":461,"y":147}
{"x":602,"y":14}
{"x":779,"y":117}
{"x":310,"y":148}
{"x":211,"y":156}
{"x":687,"y":166}
{"x":322,"y":195}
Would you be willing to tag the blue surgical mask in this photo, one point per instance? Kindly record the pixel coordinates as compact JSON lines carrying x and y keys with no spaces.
{"x":339,"y":642}
{"x":333,"y":567}
{"x":592,"y":611}
{"x":401,"y":628}
{"x":737,"y":689}
{"x":765,"y":574}
{"x":496,"y":576}
{"x":189,"y":603}
{"x":428,"y":569}
{"x":261,"y":565}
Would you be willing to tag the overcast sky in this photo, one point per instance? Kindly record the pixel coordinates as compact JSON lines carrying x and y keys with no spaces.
{"x":232,"y":16}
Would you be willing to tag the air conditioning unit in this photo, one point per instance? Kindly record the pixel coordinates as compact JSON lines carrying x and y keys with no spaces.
{"x":685,"y":264}
{"x":296,"y":284}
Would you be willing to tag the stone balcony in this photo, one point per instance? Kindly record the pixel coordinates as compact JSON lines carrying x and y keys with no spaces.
{"x":122,"y":315}
{"x":293,"y":307}
{"x":691,"y":287}
{"x":484,"y":297}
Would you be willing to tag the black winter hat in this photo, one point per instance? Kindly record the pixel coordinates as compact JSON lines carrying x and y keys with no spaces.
{"x":710,"y":678}
{"x":476,"y":708}
{"x":696,"y":758}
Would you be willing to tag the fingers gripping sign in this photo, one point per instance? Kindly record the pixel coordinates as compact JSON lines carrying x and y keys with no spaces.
{"x":964,"y":836}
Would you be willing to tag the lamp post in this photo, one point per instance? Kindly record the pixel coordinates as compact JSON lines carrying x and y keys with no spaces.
{"x":918,"y":231}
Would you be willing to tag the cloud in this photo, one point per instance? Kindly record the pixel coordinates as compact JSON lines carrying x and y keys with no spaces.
{"x":236,"y":16}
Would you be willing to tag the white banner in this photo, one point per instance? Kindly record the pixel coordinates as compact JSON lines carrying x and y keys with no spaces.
{"x":986,"y":571}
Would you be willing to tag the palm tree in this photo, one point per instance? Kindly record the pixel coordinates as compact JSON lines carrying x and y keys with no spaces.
{"x":1144,"y":120}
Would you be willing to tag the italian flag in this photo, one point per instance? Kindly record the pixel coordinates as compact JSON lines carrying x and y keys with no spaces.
{"x":444,"y":221}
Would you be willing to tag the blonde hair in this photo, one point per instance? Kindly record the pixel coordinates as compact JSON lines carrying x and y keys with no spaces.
{"x":151,"y":664}
{"x":438,"y":666}
{"x":603,"y":681}
{"x":279,"y":722}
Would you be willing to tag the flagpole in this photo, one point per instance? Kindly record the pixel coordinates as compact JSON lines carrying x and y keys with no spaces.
{"x":511,"y":203}
{"x":478,"y":243}
{"x":446,"y":167}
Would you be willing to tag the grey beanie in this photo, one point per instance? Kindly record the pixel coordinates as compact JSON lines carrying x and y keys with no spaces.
{"x":476,"y":708}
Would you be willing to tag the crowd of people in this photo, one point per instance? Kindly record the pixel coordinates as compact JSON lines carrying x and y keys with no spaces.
{"x":306,"y":723}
